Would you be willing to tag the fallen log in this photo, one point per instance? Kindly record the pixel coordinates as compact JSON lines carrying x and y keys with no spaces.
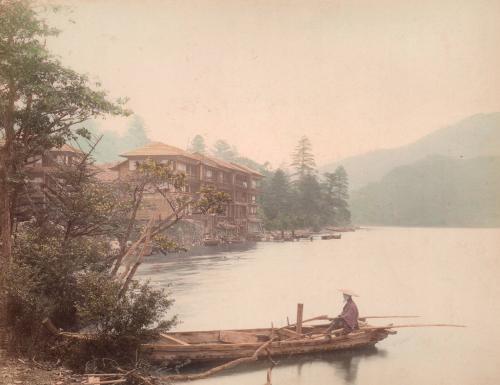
{"x":97,"y":381}
{"x":217,"y":369}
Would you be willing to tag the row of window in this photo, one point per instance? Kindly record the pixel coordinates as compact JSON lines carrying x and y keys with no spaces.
{"x":210,"y":174}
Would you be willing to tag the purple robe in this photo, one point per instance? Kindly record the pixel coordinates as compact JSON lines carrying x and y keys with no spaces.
{"x":350,"y":315}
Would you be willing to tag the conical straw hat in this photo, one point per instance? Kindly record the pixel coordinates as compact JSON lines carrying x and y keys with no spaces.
{"x":348,"y":292}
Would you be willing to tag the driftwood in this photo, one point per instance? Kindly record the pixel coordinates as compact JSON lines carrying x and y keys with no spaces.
{"x":54,"y":330}
{"x":217,"y":369}
{"x":50,"y":326}
{"x":97,"y":381}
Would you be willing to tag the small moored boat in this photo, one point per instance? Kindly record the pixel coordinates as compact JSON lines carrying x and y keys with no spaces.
{"x":211,"y":242}
{"x":331,"y":236}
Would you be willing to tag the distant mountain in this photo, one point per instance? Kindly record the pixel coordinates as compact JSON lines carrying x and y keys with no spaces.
{"x":436,"y":191}
{"x":478,"y":135}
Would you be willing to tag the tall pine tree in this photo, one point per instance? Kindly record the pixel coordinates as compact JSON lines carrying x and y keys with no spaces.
{"x":303,"y":158}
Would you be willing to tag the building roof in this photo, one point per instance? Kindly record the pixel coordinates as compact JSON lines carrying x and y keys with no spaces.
{"x":158,"y":149}
{"x":216,"y":162}
{"x":162,"y":149}
{"x":247,"y":169}
{"x":66,"y":148}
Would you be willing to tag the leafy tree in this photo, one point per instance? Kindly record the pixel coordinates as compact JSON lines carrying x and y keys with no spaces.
{"x":65,"y":269}
{"x":223,"y":150}
{"x":60,"y":263}
{"x":40,"y":103}
{"x":198,"y":145}
{"x":136,"y":135}
{"x":303,"y":158}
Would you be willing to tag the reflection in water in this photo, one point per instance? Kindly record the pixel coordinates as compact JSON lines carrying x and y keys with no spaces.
{"x":205,"y":251}
{"x":396,"y":271}
{"x":346,"y":363}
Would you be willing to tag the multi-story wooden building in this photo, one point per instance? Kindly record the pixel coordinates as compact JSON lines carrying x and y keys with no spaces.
{"x":240,"y":182}
{"x":40,"y":168}
{"x":39,"y":172}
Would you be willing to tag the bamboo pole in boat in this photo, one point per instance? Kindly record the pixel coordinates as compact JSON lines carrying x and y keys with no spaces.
{"x":390,"y":316}
{"x":318,"y":318}
{"x":412,"y":326}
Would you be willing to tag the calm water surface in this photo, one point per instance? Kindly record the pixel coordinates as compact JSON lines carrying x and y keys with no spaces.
{"x":443,"y":275}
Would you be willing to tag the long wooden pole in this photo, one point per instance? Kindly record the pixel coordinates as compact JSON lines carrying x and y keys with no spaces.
{"x":413,"y":326}
{"x":388,"y":316}
{"x":300,"y":313}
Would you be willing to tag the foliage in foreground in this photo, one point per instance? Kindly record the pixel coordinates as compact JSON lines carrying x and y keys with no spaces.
{"x":56,"y":237}
{"x":72,"y":286}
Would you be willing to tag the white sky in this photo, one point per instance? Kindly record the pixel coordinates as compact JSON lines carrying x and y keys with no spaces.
{"x":352,"y":75}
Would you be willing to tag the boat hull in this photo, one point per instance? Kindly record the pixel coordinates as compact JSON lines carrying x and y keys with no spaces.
{"x":162,"y":352}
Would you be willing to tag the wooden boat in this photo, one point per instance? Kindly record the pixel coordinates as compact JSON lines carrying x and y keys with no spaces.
{"x":215,"y":345}
{"x":211,"y":242}
{"x":331,"y":236}
{"x":341,"y":229}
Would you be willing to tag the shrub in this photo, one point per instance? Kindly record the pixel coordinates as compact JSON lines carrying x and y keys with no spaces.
{"x":70,"y":283}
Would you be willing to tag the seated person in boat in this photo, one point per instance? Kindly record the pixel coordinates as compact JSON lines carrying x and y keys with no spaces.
{"x":348,"y":319}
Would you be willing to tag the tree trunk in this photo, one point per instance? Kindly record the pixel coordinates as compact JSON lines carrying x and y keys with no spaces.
{"x":6,"y":223}
{"x":6,"y":154}
{"x":6,"y":164}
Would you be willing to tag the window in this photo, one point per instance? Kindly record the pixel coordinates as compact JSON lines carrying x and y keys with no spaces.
{"x":253,"y":183}
{"x":208,"y":173}
{"x":132,"y":165}
{"x":181,"y":167}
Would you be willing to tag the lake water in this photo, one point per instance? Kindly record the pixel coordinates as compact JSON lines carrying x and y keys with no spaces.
{"x":443,"y":275}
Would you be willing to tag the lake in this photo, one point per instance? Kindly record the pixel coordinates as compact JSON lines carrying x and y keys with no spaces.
{"x":443,"y":275}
